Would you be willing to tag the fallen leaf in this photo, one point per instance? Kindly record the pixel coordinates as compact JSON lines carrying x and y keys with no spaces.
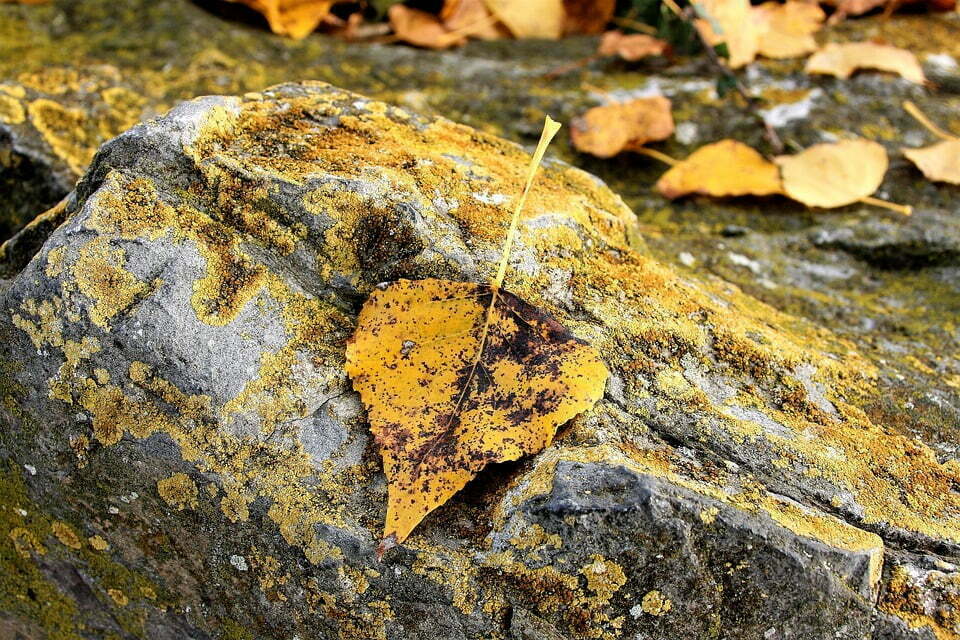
{"x":587,"y":16}
{"x":456,"y":375}
{"x":842,"y":60}
{"x":729,"y":22}
{"x":939,"y":162}
{"x":786,"y":30}
{"x":440,"y":415}
{"x":472,"y":18}
{"x":530,"y":18}
{"x":721,"y":169}
{"x":606,"y":131}
{"x":294,"y":18}
{"x":834,"y":174}
{"x":858,"y":7}
{"x":631,"y":47}
{"x":421,"y":28}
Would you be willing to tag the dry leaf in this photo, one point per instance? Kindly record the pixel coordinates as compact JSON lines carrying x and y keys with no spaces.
{"x":786,"y":30}
{"x":294,"y":18}
{"x":939,"y":162}
{"x":729,"y":22}
{"x":530,"y":18}
{"x":834,"y":174}
{"x":587,"y":16}
{"x":631,"y":47}
{"x":438,"y":414}
{"x":421,"y":28}
{"x":606,"y":131}
{"x":857,"y":7}
{"x":456,"y":375}
{"x":724,"y":168}
{"x":842,"y":60}
{"x":472,"y":18}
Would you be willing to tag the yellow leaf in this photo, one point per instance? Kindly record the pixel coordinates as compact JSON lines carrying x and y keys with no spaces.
{"x":842,"y":60}
{"x":421,"y":28}
{"x":724,"y":168}
{"x":730,"y":22}
{"x":294,"y":18}
{"x":631,"y":47}
{"x":834,"y":174}
{"x":530,"y":18}
{"x":456,"y":375}
{"x":786,"y":30}
{"x":472,"y":18}
{"x":939,"y":162}
{"x":606,"y":131}
{"x":439,"y":414}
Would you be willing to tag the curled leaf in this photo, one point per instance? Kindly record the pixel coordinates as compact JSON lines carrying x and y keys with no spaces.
{"x":841,"y":60}
{"x":939,"y":162}
{"x":606,"y":131}
{"x":786,"y":30}
{"x":452,"y":384}
{"x":729,"y":22}
{"x":834,"y":174}
{"x":724,"y":168}
{"x":472,"y":18}
{"x":530,"y":18}
{"x":631,"y":47}
{"x":421,"y":28}
{"x":294,"y":18}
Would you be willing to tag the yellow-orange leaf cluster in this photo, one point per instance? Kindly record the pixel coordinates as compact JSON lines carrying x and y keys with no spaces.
{"x":771,"y":29}
{"x":724,"y":168}
{"x":786,"y":30}
{"x":447,"y":395}
{"x":825,"y":175}
{"x":606,"y":131}
{"x":294,"y":18}
{"x":841,"y":60}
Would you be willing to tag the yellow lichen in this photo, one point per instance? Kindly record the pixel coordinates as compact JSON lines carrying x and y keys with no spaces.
{"x":25,"y":542}
{"x":66,"y":535}
{"x":98,"y":543}
{"x":234,"y":506}
{"x":119,"y":597}
{"x":100,"y":275}
{"x":655,"y":603}
{"x":11,"y":111}
{"x":604,"y":577}
{"x":178,"y":491}
{"x":66,"y":131}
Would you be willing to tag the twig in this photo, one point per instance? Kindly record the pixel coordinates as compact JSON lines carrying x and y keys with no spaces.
{"x":922,"y":118}
{"x":769,"y":132}
{"x":905,"y":209}
{"x":658,"y":155}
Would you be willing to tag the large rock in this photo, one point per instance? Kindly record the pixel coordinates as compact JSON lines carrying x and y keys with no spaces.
{"x":186,"y":458}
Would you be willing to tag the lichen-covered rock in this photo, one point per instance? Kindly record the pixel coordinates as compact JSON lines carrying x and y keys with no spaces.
{"x":173,"y":395}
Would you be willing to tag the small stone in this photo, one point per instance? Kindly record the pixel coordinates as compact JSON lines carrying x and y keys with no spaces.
{"x":238,"y":562}
{"x":32,"y":470}
{"x":686,"y":259}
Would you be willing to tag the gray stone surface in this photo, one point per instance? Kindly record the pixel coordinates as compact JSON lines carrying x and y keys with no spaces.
{"x":172,"y":371}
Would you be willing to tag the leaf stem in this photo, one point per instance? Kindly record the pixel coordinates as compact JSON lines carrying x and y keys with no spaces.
{"x":905,"y":209}
{"x":922,"y":118}
{"x":658,"y":155}
{"x":550,"y":128}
